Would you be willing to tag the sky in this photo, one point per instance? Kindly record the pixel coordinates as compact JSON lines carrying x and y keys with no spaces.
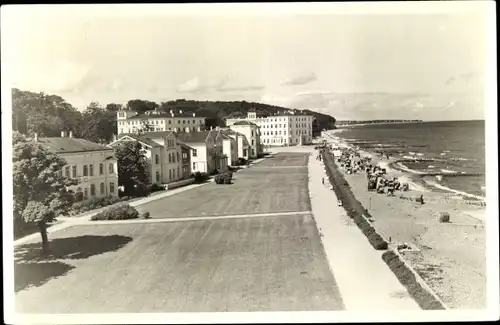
{"x":352,"y":65}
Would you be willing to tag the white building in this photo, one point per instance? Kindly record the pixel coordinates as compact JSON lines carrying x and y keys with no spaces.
{"x":287,"y":128}
{"x":165,"y":154}
{"x":150,"y":121}
{"x":252,"y":133}
{"x":93,"y":165}
{"x":242,"y":145}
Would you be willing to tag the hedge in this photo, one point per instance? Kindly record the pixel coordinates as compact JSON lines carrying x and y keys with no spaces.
{"x":425,"y":299}
{"x":200,"y":177}
{"x":353,"y":207}
{"x":121,"y":211}
{"x":93,"y":203}
{"x":225,"y":178}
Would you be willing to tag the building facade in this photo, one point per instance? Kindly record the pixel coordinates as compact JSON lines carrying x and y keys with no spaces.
{"x":155,"y":121}
{"x":284,"y":129}
{"x":164,"y":155}
{"x":93,"y":165}
{"x":252,"y":132}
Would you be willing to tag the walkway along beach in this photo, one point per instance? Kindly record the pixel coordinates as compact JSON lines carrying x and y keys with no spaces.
{"x":450,"y":256}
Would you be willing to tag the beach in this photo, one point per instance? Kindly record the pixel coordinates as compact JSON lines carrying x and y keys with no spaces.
{"x":450,"y":257}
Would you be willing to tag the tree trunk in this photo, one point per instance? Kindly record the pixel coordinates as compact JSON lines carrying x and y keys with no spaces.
{"x":42,"y":226}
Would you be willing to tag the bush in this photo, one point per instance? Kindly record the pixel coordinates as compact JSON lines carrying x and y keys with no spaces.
{"x":78,"y":196}
{"x":124,"y":198}
{"x":93,"y":203}
{"x":219,"y":179}
{"x":227,"y":179}
{"x":121,"y":211}
{"x":155,"y":187}
{"x":407,"y":278}
{"x":145,"y":215}
{"x":241,"y":162}
{"x":200,"y":177}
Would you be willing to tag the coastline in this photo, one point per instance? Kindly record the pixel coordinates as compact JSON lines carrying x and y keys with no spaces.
{"x":450,"y":257}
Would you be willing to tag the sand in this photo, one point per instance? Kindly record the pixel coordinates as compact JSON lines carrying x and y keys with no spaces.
{"x":450,"y":257}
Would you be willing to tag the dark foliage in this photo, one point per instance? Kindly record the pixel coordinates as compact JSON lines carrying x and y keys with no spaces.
{"x":121,"y":211}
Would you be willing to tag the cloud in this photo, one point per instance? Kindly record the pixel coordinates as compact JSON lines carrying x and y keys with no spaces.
{"x":195,"y":85}
{"x":244,"y":88}
{"x":300,"y":80}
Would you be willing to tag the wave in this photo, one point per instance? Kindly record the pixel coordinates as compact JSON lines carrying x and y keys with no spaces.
{"x":447,"y":171}
{"x":448,"y":189}
{"x":431,"y":166}
{"x":461,"y":159}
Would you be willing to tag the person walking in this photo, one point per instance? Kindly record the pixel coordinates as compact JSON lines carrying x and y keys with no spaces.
{"x":323,"y":180}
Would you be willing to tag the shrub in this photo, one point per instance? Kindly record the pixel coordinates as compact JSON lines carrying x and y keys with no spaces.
{"x":219,"y":179}
{"x":242,"y":161}
{"x":79,"y":196}
{"x":407,"y":278}
{"x":121,"y":211}
{"x":124,"y":198}
{"x":227,"y":179}
{"x":93,"y":203}
{"x":200,"y":177}
{"x":145,"y":215}
{"x":155,"y":187}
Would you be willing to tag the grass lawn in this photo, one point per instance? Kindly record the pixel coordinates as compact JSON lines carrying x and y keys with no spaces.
{"x":247,"y":264}
{"x":254,"y":190}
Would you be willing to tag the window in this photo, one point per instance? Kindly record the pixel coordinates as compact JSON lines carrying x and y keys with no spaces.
{"x":85,"y":170}
{"x":111,"y":169}
{"x":194,"y":122}
{"x":173,"y":172}
{"x":252,"y":133}
{"x":252,"y":142}
{"x":177,"y":154}
{"x":91,"y":170}
{"x":102,"y":188}
{"x":194,"y":153}
{"x":169,"y":122}
{"x":169,"y":158}
{"x":157,"y":159}
{"x":169,"y":174}
{"x":194,"y":166}
{"x":157,"y":176}
{"x":92,"y":189}
{"x":184,"y":155}
{"x":111,"y":187}
{"x":183,"y":121}
{"x":178,"y":173}
{"x":66,"y":171}
{"x":74,"y":171}
{"x":253,"y":152}
{"x":101,"y":169}
{"x":85,"y":193}
{"x":189,"y":121}
{"x":173,"y":157}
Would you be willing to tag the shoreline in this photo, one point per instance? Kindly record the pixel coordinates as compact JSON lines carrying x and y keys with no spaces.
{"x":450,"y":257}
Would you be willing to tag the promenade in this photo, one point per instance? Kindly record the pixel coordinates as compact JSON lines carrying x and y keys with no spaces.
{"x":272,"y":241}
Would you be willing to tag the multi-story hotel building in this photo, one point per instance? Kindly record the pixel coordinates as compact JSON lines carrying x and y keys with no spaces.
{"x":284,"y":129}
{"x":152,"y":121}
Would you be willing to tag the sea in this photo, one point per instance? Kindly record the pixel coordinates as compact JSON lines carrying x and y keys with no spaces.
{"x":453,"y":151}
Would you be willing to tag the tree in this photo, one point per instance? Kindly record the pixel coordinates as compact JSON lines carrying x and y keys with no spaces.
{"x":141,"y":106}
{"x":112,"y":107}
{"x":40,"y":188}
{"x":133,"y":168}
{"x":98,"y":124}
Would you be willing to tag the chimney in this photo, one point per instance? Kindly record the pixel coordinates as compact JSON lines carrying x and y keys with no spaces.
{"x":70,"y":134}
{"x":63,"y":134}
{"x":194,"y":114}
{"x":36,"y":137}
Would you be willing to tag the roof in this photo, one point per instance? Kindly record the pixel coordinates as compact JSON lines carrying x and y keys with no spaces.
{"x":156,"y":134}
{"x":161,"y":114}
{"x":141,"y":138}
{"x":67,"y":144}
{"x":185,"y":146}
{"x":195,"y":137}
{"x":244,"y":123}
